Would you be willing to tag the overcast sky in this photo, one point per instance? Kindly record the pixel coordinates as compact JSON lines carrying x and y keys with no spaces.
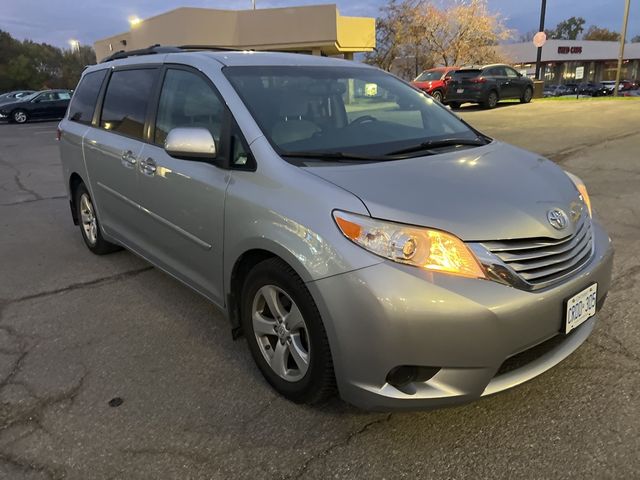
{"x":57,"y":21}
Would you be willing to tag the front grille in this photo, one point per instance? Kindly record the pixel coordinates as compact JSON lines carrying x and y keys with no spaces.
{"x":542,"y":261}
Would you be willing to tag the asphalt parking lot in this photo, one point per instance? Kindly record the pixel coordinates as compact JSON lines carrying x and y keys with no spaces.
{"x":110,"y":369}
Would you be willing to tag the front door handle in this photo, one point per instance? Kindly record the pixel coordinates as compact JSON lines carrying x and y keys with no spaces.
{"x":128,"y":159}
{"x":148,"y":166}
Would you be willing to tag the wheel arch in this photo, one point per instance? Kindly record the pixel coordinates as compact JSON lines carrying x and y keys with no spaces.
{"x":242,"y":265}
{"x":74,"y":181}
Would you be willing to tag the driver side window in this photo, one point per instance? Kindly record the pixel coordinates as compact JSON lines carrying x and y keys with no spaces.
{"x":511,"y":73}
{"x":187,"y":100}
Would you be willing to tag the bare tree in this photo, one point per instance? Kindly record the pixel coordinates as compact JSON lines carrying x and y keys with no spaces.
{"x":603,"y":34}
{"x":417,"y":34}
{"x":464,"y":33}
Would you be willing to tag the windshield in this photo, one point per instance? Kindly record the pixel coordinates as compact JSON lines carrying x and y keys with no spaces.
{"x":429,"y":76}
{"x":361,"y":111}
{"x":31,"y":96}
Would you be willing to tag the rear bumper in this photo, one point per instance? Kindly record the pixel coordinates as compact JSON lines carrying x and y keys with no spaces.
{"x":389,"y":315}
{"x":465,"y":98}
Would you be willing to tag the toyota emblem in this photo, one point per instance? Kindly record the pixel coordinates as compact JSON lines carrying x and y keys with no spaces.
{"x":557,"y":218}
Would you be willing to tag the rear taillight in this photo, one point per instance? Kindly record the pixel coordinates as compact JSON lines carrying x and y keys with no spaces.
{"x":479,"y":80}
{"x":58,"y":134}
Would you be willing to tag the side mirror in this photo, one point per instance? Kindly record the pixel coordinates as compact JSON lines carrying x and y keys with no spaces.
{"x":190,"y":144}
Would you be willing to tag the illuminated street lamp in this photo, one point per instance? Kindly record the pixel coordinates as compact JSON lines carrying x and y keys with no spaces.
{"x":134,"y":21}
{"x":75,"y":45}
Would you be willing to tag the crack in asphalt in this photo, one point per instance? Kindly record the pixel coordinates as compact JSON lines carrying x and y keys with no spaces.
{"x":327,"y":451}
{"x":76,"y":286}
{"x":31,"y":413}
{"x":53,"y":473}
{"x":563,"y":155}
{"x":16,"y":178}
{"x":11,"y":204}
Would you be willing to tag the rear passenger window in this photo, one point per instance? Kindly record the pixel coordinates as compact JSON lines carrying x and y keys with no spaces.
{"x":84,"y":101}
{"x":125,"y":103}
{"x":187,"y":100}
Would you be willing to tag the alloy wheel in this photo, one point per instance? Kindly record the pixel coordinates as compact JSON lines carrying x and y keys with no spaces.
{"x":493,"y":99}
{"x":527,"y":95}
{"x":281,"y":333}
{"x":88,"y":217}
{"x":437,"y":96}
{"x":20,"y":117}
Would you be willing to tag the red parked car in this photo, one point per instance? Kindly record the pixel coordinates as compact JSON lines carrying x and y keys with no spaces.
{"x":434,"y":81}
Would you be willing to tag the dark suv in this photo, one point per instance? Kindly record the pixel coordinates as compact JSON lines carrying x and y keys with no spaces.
{"x":487,"y":86}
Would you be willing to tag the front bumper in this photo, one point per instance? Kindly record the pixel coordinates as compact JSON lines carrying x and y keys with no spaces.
{"x":390,"y":315}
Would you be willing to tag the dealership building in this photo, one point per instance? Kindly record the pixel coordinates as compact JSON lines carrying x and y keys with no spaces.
{"x":315,"y":29}
{"x":566,"y":61}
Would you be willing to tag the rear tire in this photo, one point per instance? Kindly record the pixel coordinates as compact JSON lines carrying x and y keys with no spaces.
{"x":491,"y":101}
{"x":289,"y":345}
{"x":527,"y":95}
{"x":454,"y":105}
{"x":437,"y":95}
{"x":89,"y":224}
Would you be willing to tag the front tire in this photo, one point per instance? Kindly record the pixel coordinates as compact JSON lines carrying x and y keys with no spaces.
{"x":527,"y":95}
{"x":285,"y":333}
{"x":20,"y":116}
{"x":89,"y":224}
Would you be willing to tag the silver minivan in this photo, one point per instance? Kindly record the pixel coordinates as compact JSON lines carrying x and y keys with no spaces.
{"x":360,"y":236}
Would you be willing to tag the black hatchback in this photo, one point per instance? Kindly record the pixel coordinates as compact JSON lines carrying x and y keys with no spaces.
{"x":47,"y":104}
{"x":487,"y":86}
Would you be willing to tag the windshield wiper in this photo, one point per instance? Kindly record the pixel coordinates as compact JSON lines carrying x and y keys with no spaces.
{"x":334,"y":156}
{"x":446,"y":142}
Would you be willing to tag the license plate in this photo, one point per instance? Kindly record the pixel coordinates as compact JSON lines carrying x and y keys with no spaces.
{"x":580,"y":308}
{"x":460,"y":90}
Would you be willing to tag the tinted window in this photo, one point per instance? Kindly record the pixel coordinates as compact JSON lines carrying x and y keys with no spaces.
{"x":511,"y":73}
{"x":47,"y":97}
{"x":64,"y":96}
{"x":187,"y":100}
{"x":496,"y":72}
{"x":465,"y":74}
{"x":84,"y":101}
{"x":126,"y":100}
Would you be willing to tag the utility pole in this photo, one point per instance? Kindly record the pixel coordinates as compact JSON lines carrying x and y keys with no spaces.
{"x":623,"y":38}
{"x":543,"y":10}
{"x":254,"y":4}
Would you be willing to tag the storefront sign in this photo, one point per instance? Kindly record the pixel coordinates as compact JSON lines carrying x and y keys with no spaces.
{"x":566,"y":50}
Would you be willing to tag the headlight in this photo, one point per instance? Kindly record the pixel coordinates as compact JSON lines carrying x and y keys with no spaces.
{"x":425,"y":248}
{"x":582,"y":189}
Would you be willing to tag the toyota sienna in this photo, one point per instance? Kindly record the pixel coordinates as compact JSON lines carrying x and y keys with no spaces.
{"x":360,"y":236}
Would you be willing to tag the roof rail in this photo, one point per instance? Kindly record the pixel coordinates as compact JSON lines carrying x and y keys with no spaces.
{"x":157,"y":48}
{"x":214,"y":48}
{"x":152,"y":50}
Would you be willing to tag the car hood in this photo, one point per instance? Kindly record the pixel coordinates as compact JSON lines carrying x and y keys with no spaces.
{"x":11,"y":104}
{"x":493,"y":192}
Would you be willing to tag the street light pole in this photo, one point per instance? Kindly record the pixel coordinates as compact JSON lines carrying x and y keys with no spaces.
{"x":543,"y":10}
{"x":623,"y":38}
